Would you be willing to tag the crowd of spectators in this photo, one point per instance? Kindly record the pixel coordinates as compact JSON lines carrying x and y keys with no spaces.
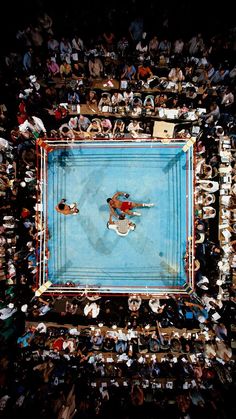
{"x":129,"y":356}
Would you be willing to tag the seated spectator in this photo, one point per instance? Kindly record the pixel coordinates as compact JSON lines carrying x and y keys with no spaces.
{"x":208,"y":199}
{"x":148,"y":104}
{"x":109,"y":39}
{"x":137,"y":106}
{"x":161,"y":101}
{"x":227,"y":100}
{"x":178,"y":46}
{"x":210,"y":71}
{"x":73,"y":97}
{"x":82,"y":92}
{"x":223,"y":351}
{"x":61,"y":112}
{"x":105,"y":104}
{"x":53,"y":46}
{"x":97,"y":340}
{"x":123,"y":45}
{"x":118,"y":129}
{"x":36,"y":36}
{"x":128,"y":71}
{"x":208,"y":212}
{"x":189,"y":71}
{"x":176,"y":74}
{"x":28,"y":60}
{"x":232,"y":74}
{"x":95,"y":127}
{"x":45,"y":23}
{"x":128,"y":96}
{"x":164,"y":47}
{"x":203,"y":61}
{"x":95,"y":67}
{"x":136,"y":395}
{"x":116,"y":98}
{"x":73,"y":123}
{"x":77,"y":44}
{"x":211,"y":186}
{"x":144,"y":71}
{"x":134,"y":128}
{"x":201,"y":77}
{"x":142,"y":48}
{"x":91,"y":98}
{"x":83,"y":123}
{"x":77,"y":70}
{"x":66,"y":132}
{"x":92,"y":310}
{"x":65,"y":69}
{"x":53,"y":67}
{"x":136,"y":29}
{"x":213,"y":115}
{"x":153,"y":46}
{"x":173,"y":101}
{"x":106,"y":127}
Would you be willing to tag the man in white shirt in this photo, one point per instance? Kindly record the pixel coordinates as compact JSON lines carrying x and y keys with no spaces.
{"x":33,"y":124}
{"x":122,"y":226}
{"x":176,"y":74}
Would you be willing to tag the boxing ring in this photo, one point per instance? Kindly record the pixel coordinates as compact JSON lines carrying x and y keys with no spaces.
{"x":78,"y":253}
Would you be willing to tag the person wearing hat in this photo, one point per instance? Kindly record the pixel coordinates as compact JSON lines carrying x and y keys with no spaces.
{"x":65,"y":209}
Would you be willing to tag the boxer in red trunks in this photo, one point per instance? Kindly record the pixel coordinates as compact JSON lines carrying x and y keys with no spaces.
{"x":124,"y":207}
